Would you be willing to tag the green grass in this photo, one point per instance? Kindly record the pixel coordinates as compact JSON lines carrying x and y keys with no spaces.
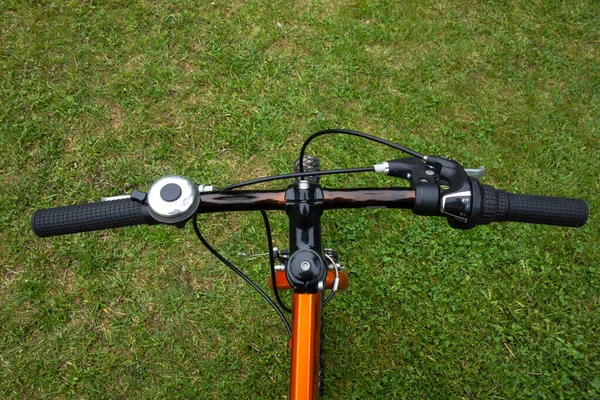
{"x":102,"y":97}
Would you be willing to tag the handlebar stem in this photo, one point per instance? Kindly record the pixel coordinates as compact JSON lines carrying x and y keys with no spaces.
{"x":306,"y":270}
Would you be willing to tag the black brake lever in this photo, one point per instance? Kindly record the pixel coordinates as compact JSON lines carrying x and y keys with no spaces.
{"x":442,"y":186}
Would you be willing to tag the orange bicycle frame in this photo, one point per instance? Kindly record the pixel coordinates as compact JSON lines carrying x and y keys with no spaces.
{"x":305,"y":345}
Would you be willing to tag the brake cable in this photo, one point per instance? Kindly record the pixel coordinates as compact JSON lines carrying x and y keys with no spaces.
{"x":336,"y":280}
{"x":272,"y":261}
{"x":359,"y":134}
{"x":300,"y":174}
{"x":240,"y":274}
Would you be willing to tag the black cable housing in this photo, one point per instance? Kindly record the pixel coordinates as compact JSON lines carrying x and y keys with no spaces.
{"x":272,"y":262}
{"x":359,"y":134}
{"x":329,"y":297}
{"x":298,"y":175}
{"x":240,"y":274}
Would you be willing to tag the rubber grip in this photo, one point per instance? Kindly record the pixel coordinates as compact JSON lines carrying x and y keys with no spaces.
{"x":90,"y":217}
{"x":499,"y":205}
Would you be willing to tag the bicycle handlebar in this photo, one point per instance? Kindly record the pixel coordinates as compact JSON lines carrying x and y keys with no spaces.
{"x":488,"y":205}
{"x":439,"y":186}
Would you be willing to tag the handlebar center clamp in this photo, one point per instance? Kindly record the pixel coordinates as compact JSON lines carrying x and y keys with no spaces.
{"x":305,"y":271}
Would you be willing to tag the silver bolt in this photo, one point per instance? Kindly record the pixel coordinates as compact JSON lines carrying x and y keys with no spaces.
{"x":279,"y":267}
{"x":305,"y":265}
{"x":303,"y":184}
{"x":429,"y":172}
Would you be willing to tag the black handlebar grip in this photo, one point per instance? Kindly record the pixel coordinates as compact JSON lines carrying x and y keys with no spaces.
{"x":499,"y":205}
{"x":90,"y":217}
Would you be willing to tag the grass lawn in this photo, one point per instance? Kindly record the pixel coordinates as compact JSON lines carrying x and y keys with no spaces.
{"x":100,"y":97}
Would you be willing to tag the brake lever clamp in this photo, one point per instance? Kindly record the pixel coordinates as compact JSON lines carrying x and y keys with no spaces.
{"x":442,"y":187}
{"x":423,"y":179}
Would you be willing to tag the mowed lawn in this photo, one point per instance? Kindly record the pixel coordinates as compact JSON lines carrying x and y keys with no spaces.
{"x":98,"y":98}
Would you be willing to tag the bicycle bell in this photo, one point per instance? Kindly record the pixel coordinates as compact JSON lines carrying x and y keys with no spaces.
{"x":173,"y":199}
